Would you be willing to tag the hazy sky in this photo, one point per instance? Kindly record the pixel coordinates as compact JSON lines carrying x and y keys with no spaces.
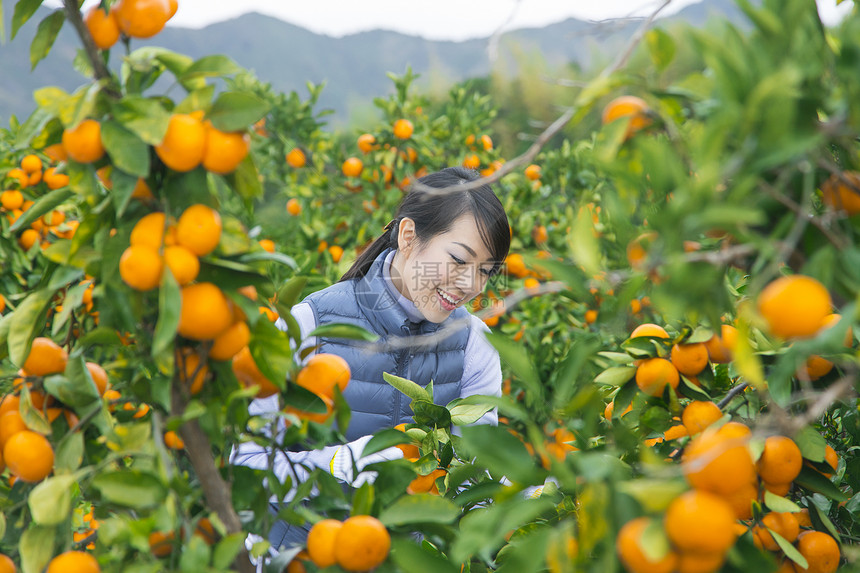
{"x":436,"y":19}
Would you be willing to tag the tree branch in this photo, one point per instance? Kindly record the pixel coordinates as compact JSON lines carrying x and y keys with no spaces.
{"x":73,"y":15}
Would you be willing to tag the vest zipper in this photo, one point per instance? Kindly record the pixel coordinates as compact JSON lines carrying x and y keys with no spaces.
{"x":402,"y":371}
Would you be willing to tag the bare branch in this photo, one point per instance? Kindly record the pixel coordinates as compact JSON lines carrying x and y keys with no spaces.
{"x":836,"y":241}
{"x":73,"y":15}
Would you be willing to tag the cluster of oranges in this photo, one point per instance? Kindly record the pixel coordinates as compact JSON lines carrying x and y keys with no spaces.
{"x":423,"y":482}
{"x":359,"y":543}
{"x":26,"y":184}
{"x":191,"y":141}
{"x":161,"y":543}
{"x":134,"y":18}
{"x":321,"y":374}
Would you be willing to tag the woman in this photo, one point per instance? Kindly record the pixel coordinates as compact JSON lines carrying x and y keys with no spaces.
{"x":413,"y":281}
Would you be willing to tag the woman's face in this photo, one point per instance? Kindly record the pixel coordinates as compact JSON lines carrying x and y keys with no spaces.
{"x":446,"y":273}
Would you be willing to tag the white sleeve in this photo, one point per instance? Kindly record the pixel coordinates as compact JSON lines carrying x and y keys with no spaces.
{"x":482,"y":369}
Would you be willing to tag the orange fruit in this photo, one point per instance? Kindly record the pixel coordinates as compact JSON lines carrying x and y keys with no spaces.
{"x":11,"y":199}
{"x":248,"y":374}
{"x":515,"y":265}
{"x":318,"y":417}
{"x":9,"y":403}
{"x":99,"y":376}
{"x":654,"y":374}
{"x":690,"y":359}
{"x":821,"y":552}
{"x":294,"y":207}
{"x":718,"y":460}
{"x":230,"y":342}
{"x":174,"y":6}
{"x":742,"y":499}
{"x":10,"y":424}
{"x":268,"y":245}
{"x":141,"y":190}
{"x":161,"y":543}
{"x":184,"y":264}
{"x":45,"y":357}
{"x":73,"y":562}
{"x":780,"y":489}
{"x":6,"y":564}
{"x":698,"y":415}
{"x":426,"y":483}
{"x":55,"y":152}
{"x":531,"y":284}
{"x":539,"y":234}
{"x":842,"y":192}
{"x":206,"y":531}
{"x":321,"y":542}
{"x":700,"y":562}
{"x":700,"y":522}
{"x":802,"y":517}
{"x":28,"y":238}
{"x":366,"y":142}
{"x":590,"y":316}
{"x":781,"y":460}
{"x":631,"y":107}
{"x":31,"y":163}
{"x":199,"y":229}
{"x":471,"y":161}
{"x":784,"y":524}
{"x":206,"y":312}
{"x":149,"y":231}
{"x":173,"y":441}
{"x":675,"y":432}
{"x":83,"y":143}
{"x":336,"y":253}
{"x":794,"y":306}
{"x":533,"y":172}
{"x":102,"y":26}
{"x":361,"y":543}
{"x":352,"y":167}
{"x":55,"y":180}
{"x":296,"y":158}
{"x":191,"y":373}
{"x":184,"y":144}
{"x":720,"y":347}
{"x":403,"y":129}
{"x":649,"y":329}
{"x":225,"y":150}
{"x":29,"y":456}
{"x":142,"y":18}
{"x":628,"y":544}
{"x":487,"y":142}
{"x":141,"y":267}
{"x":20,"y":176}
{"x":322,"y":372}
{"x":832,"y":458}
{"x":814,"y":368}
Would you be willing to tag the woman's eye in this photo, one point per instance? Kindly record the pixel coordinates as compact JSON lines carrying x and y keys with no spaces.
{"x":458,"y":261}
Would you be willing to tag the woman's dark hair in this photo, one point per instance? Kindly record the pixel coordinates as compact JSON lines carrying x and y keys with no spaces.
{"x":434,"y":213}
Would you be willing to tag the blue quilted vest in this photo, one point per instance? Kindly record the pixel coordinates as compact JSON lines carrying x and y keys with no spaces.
{"x":367,"y":302}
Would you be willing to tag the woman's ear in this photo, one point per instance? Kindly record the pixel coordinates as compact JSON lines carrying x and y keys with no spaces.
{"x":406,"y":234}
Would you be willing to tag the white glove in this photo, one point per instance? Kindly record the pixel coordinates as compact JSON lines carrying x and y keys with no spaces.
{"x":349,"y":457}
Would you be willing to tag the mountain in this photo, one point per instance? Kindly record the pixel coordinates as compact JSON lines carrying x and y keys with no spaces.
{"x":353,"y":67}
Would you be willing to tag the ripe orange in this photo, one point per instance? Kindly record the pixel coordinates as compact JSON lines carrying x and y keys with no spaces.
{"x":426,"y":483}
{"x":6,"y":564}
{"x":31,"y":163}
{"x":184,"y":144}
{"x":230,"y":342}
{"x":199,"y":229}
{"x":322,"y":373}
{"x":699,"y":415}
{"x":742,"y":499}
{"x":690,"y":359}
{"x":515,"y":265}
{"x":225,"y":151}
{"x":55,"y":152}
{"x":821,"y":552}
{"x":102,"y":26}
{"x":720,"y":347}
{"x":142,"y":18}
{"x":700,"y":562}
{"x":45,"y":357}
{"x":590,"y":316}
{"x":832,"y":459}
{"x":649,"y":329}
{"x":294,"y":207}
{"x":11,"y":199}
{"x":29,"y":456}
{"x":268,"y":245}
{"x":784,"y":524}
{"x":539,"y":234}
{"x":83,"y":143}
{"x":700,"y":522}
{"x":206,"y":531}
{"x":366,"y":142}
{"x":631,"y":107}
{"x":794,"y":306}
{"x":141,"y":267}
{"x":191,"y":373}
{"x":28,"y":238}
{"x":361,"y":543}
{"x":296,"y":158}
{"x":73,"y":562}
{"x":336,"y":253}
{"x":10,"y":424}
{"x":533,"y":172}
{"x":184,"y":264}
{"x":206,"y":312}
{"x":321,"y":542}
{"x":161,"y":543}
{"x":55,"y":180}
{"x":653,"y":374}
{"x":814,"y":368}
{"x":352,"y":167}
{"x":628,"y":544}
{"x":141,"y":190}
{"x":99,"y":376}
{"x":718,"y":460}
{"x":487,"y":142}
{"x":471,"y":161}
{"x":173,"y":441}
{"x":842,"y":192}
{"x":149,"y":231}
{"x":403,"y":129}
{"x":781,"y":460}
{"x":248,"y":374}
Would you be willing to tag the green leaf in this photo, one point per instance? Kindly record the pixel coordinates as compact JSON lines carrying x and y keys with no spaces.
{"x":233,"y":111}
{"x":661,"y":47}
{"x":790,"y":550}
{"x":362,"y":499}
{"x":123,"y":188}
{"x":46,"y":34}
{"x":169,"y":306}
{"x":409,"y":556}
{"x":812,"y":445}
{"x":271,"y":351}
{"x":429,"y":414}
{"x":289,"y":293}
{"x":246,"y":179}
{"x":815,"y":481}
{"x":408,"y":387}
{"x":24,"y":10}
{"x":36,"y":547}
{"x":45,"y":204}
{"x":385,"y":439}
{"x":654,"y":495}
{"x":463,"y":414}
{"x":127,"y":151}
{"x":342,"y":330}
{"x":582,"y":243}
{"x":616,"y":376}
{"x":419,"y":508}
{"x":134,"y":489}
{"x":210,"y":66}
{"x":70,"y":453}
{"x":75,"y":387}
{"x":144,"y":117}
{"x":195,"y":555}
{"x":196,"y":100}
{"x":227,"y":550}
{"x":51,"y":501}
{"x":779,"y":504}
{"x":502,"y":453}
{"x":27,"y":320}
{"x":516,"y":356}
{"x":654,"y":541}
{"x":266,"y":256}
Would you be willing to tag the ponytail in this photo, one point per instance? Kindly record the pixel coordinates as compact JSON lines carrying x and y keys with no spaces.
{"x":387,"y":240}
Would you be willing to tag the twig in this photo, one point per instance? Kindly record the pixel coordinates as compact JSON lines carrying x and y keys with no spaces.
{"x":793,"y":206}
{"x":824,"y":400}
{"x":732,"y":393}
{"x":73,"y":14}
